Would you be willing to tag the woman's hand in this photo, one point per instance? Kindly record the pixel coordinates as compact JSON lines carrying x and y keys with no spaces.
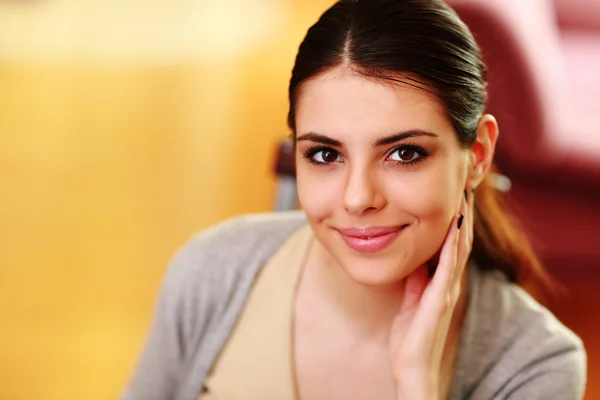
{"x":418,"y":334}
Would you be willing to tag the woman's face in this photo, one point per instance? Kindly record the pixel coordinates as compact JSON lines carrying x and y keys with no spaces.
{"x":380,"y":173}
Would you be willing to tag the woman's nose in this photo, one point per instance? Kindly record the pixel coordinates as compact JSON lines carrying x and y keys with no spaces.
{"x":362,"y":192}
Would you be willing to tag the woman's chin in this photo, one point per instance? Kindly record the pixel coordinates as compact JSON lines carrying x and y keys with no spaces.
{"x":376,"y":272}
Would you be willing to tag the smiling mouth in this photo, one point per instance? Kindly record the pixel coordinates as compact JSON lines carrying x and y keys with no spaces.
{"x":371,"y":240}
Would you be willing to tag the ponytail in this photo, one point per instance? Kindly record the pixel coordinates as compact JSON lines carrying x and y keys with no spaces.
{"x":501,"y":243}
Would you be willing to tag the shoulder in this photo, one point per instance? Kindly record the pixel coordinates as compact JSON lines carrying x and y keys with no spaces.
{"x":229,"y":248}
{"x":220,"y":262}
{"x":514,"y":345}
{"x":237,"y":240}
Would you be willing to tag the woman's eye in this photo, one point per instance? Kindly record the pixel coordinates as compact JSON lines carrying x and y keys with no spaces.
{"x":326,"y":156}
{"x":406,"y":155}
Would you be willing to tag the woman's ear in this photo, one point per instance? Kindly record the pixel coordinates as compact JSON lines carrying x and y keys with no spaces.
{"x":482,"y":152}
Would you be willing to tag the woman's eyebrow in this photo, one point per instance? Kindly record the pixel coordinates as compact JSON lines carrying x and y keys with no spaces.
{"x":317,"y":137}
{"x":396,"y":137}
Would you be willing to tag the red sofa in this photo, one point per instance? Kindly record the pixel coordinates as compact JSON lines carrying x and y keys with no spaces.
{"x":543,"y":58}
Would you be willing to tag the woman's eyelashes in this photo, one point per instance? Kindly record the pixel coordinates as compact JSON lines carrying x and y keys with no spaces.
{"x":321,"y":155}
{"x":405,"y":155}
{"x":409,"y":154}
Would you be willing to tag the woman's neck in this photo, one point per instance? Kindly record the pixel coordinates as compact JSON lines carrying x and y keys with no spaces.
{"x":366,"y":311}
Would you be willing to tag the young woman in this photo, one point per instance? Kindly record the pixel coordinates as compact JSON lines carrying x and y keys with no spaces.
{"x":399,"y":277}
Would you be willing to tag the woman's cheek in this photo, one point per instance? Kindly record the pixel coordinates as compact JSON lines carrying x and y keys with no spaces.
{"x":316,"y":196}
{"x":426,"y":200}
{"x":421,"y":194}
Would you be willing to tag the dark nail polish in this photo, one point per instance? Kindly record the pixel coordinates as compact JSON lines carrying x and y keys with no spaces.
{"x":466,"y":197}
{"x":460,"y":220}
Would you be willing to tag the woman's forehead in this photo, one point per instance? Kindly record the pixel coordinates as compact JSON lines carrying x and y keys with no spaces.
{"x":337,"y":103}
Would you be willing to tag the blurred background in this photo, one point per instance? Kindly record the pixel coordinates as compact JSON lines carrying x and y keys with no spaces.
{"x":127,"y":126}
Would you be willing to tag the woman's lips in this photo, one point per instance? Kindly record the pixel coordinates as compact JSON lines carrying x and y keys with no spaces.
{"x":370,"y":240}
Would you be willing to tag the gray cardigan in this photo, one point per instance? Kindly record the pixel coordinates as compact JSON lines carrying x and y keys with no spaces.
{"x":510,"y":348}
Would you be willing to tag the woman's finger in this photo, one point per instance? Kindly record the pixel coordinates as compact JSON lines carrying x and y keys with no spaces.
{"x":435,"y":302}
{"x":472,"y":217}
{"x":445,"y":272}
{"x":464,"y":242}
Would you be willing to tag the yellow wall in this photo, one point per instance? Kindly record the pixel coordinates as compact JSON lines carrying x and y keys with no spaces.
{"x":107,"y":164}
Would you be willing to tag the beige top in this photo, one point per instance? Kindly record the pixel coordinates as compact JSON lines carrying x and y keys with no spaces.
{"x":258,"y":355}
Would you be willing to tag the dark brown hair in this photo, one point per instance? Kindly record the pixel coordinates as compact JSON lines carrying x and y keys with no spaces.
{"x":423,"y":43}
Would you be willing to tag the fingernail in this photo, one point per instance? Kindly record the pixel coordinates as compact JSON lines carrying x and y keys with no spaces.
{"x":460,"y":220}
{"x":466,"y":196}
